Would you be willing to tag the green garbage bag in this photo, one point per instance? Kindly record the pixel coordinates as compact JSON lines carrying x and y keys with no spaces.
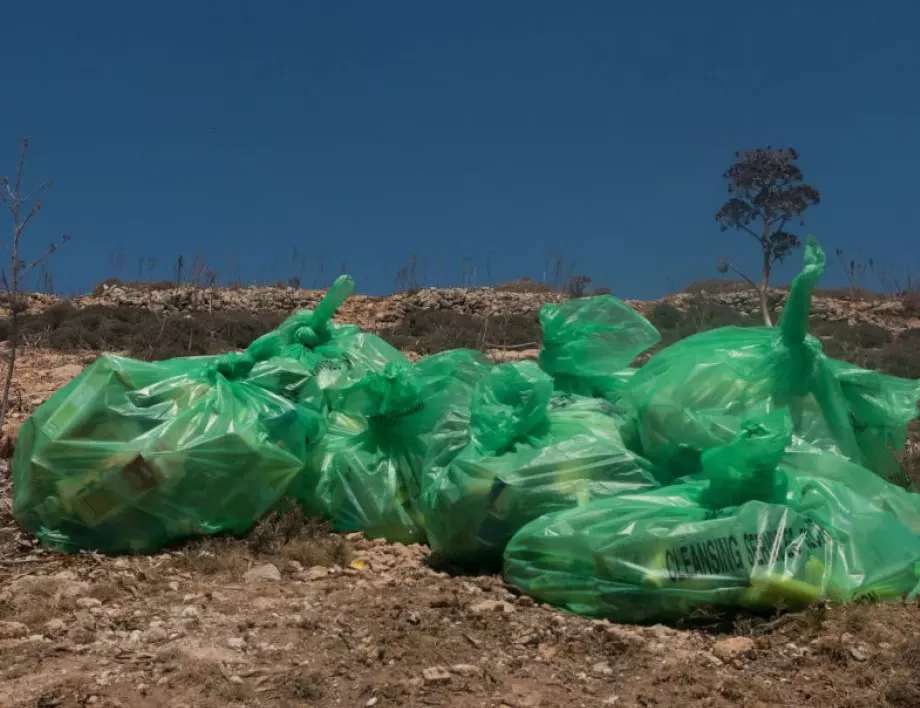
{"x":308,"y":356}
{"x":522,"y":450}
{"x":365,"y":473}
{"x":131,"y":455}
{"x":752,"y":530}
{"x":694,"y":395}
{"x":589,"y":343}
{"x":880,"y":407}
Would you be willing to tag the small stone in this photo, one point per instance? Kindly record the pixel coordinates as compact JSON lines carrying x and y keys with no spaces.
{"x":88,"y":603}
{"x":858,"y":653}
{"x":236,"y":680}
{"x":13,"y":630}
{"x":414,"y":618}
{"x":155,"y":635}
{"x":659,"y":631}
{"x":602,"y":668}
{"x":623,"y":638}
{"x":81,"y":635}
{"x":142,"y":688}
{"x":371,"y":702}
{"x":237,"y":643}
{"x":711,"y":659}
{"x":135,"y":636}
{"x":466,"y":670}
{"x":55,"y":626}
{"x":190,"y":612}
{"x":92,"y":700}
{"x":492,"y":606}
{"x":266,"y":572}
{"x":733,"y":648}
{"x":436,"y":674}
{"x":174,"y":586}
{"x":317,"y":572}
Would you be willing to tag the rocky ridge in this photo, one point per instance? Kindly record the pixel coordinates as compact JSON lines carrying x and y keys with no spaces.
{"x":371,"y":311}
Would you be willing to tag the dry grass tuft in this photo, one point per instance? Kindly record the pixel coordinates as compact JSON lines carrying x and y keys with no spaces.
{"x":284,"y":535}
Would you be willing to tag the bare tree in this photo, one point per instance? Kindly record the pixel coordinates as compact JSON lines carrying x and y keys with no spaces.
{"x":23,"y":207}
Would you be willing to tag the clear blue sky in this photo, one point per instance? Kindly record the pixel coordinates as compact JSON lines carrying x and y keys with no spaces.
{"x":359,"y":131}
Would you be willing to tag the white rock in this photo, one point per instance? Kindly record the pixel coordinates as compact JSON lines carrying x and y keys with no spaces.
{"x":602,"y":668}
{"x":237,"y":643}
{"x":155,"y":635}
{"x":492,"y":606}
{"x":436,"y":674}
{"x":466,"y":669}
{"x":317,"y":572}
{"x":266,"y":572}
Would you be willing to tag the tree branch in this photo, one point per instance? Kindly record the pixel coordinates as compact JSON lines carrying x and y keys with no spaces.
{"x":738,"y":272}
{"x":47,"y":184}
{"x":52,"y":249}
{"x":751,"y":232}
{"x":32,"y":212}
{"x":23,"y":147}
{"x":9,"y":198}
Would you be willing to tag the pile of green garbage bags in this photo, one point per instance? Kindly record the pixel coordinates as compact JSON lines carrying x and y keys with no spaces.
{"x":738,"y":468}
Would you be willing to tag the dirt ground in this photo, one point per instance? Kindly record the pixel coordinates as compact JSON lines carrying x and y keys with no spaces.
{"x":296,"y":616}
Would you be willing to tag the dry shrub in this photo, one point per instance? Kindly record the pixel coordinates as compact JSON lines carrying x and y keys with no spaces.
{"x":215,"y":555}
{"x":432,"y":331}
{"x":141,"y":333}
{"x":299,"y":684}
{"x":525,"y":285}
{"x":207,"y":679}
{"x":289,"y":534}
{"x":72,"y":691}
{"x":284,"y":535}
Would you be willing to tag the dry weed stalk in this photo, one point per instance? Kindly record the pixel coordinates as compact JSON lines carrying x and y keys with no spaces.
{"x":12,"y":196}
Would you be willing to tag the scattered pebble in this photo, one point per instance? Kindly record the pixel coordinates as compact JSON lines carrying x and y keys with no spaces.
{"x":602,"y":668}
{"x":466,"y":670}
{"x":492,"y":606}
{"x":733,"y":648}
{"x":436,"y":674}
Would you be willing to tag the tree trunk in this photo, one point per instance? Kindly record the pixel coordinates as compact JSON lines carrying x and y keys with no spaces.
{"x":10,"y":368}
{"x":764,"y":305}
{"x":765,"y":274}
